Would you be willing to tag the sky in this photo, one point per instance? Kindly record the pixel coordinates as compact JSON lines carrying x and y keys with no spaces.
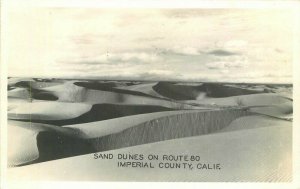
{"x":217,"y":45}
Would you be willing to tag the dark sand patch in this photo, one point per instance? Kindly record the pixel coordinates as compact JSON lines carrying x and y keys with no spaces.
{"x":188,"y":92}
{"x":30,"y":94}
{"x":111,"y":87}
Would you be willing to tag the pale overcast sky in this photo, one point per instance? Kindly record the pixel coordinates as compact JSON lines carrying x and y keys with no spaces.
{"x":239,"y":45}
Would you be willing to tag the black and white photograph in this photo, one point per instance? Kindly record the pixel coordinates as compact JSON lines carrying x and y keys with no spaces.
{"x":150,"y":94}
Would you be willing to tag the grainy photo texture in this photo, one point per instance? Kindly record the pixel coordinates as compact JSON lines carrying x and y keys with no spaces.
{"x":102,"y":94}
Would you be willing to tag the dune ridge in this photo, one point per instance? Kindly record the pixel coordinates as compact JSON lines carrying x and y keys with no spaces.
{"x":169,"y":127}
{"x":88,"y":113}
{"x":53,"y":143}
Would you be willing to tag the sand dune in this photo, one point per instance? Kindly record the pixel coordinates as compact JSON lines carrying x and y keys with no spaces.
{"x":244,"y":127}
{"x":31,"y":142}
{"x":48,"y":111}
{"x":244,"y":100}
{"x":67,"y":92}
{"x":72,"y":93}
{"x":14,"y":80}
{"x":178,"y":92}
{"x":107,"y":127}
{"x":19,"y":93}
{"x":13,"y":103}
{"x":268,"y":104}
{"x":188,"y":92}
{"x":30,"y":94}
{"x":18,"y":154}
{"x":171,"y":123}
{"x":92,"y":96}
{"x":165,"y":128}
{"x":280,"y":110}
{"x":284,"y":90}
{"x":36,"y":84}
{"x":146,"y":88}
{"x":121,"y":132}
{"x":111,"y":87}
{"x":252,"y":155}
{"x":97,"y":112}
{"x":98,"y":85}
{"x":254,"y":122}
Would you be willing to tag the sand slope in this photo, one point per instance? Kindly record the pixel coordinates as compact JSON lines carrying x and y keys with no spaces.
{"x":68,"y":92}
{"x":254,"y":122}
{"x":120,"y":132}
{"x":253,"y":155}
{"x":14,"y":80}
{"x":19,"y":93}
{"x":97,"y":112}
{"x":117,"y":87}
{"x":267,"y":104}
{"x":164,"y":128}
{"x":244,"y":100}
{"x":45,"y":110}
{"x":31,"y":142}
{"x":146,"y":88}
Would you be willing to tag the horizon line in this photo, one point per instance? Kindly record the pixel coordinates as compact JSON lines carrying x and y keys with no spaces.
{"x":151,"y":80}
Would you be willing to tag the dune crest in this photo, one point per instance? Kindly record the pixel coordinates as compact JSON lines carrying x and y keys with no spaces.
{"x":55,"y":142}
